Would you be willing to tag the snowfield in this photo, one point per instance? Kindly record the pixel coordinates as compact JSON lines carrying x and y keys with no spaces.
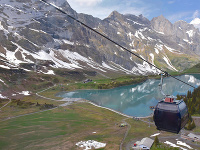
{"x":179,"y":143}
{"x":156,"y":134}
{"x":90,"y":144}
{"x":25,"y":93}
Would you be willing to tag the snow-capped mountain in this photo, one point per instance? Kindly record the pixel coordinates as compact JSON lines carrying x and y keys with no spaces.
{"x":32,"y":32}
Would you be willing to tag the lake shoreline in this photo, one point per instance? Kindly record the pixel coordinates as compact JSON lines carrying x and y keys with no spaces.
{"x":137,"y":102}
{"x":99,"y":106}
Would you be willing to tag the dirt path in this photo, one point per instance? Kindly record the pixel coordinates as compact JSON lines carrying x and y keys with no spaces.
{"x":46,"y":97}
{"x":125,"y":135}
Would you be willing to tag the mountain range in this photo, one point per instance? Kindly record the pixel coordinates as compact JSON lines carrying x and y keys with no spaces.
{"x":35,"y":36}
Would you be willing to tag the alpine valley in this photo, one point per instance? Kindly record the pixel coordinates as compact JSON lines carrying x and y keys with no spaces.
{"x":44,"y":53}
{"x":35,"y":36}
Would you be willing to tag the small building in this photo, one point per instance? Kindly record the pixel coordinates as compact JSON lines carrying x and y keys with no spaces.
{"x":87,"y":80}
{"x":144,"y":144}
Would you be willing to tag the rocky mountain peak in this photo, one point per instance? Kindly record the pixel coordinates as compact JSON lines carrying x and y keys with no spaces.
{"x":161,"y":17}
{"x":64,"y":5}
{"x":183,"y":25}
{"x":139,"y":19}
{"x":114,"y":15}
{"x":161,"y":24}
{"x":59,"y":2}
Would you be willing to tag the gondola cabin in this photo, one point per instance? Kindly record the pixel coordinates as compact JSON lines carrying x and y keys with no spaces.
{"x":171,"y":115}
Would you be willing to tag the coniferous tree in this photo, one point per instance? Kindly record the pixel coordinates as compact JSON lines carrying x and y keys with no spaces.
{"x":156,"y":141}
{"x":192,"y":101}
{"x":189,"y":94}
{"x":178,"y":97}
{"x":198,"y":108}
{"x":193,"y":125}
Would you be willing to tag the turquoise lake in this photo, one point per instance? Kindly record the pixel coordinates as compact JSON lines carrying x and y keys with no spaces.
{"x":135,"y":100}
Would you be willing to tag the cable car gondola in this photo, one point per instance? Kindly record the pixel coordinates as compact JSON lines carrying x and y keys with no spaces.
{"x":170,"y":114}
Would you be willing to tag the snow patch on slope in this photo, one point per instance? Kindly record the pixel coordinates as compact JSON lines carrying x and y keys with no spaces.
{"x":90,"y":144}
{"x":172,"y":50}
{"x":184,"y":144}
{"x":190,"y":33}
{"x":107,"y":66}
{"x":51,"y":72}
{"x":25,"y":93}
{"x":187,"y":41}
{"x":166,"y":59}
{"x":174,"y":145}
{"x":3,"y":97}
{"x":152,"y":58}
{"x":159,"y":32}
{"x":158,"y":47}
{"x":136,"y":22}
{"x":145,"y":67}
{"x":140,"y":35}
{"x":2,"y":28}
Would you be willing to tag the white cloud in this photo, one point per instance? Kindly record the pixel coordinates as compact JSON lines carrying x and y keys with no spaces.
{"x":135,"y":7}
{"x":103,"y":8}
{"x":91,"y":7}
{"x":136,"y":11}
{"x":196,"y":14}
{"x":196,"y":23}
{"x":85,"y":2}
{"x":101,"y":13}
{"x":196,"y":19}
{"x":179,"y":16}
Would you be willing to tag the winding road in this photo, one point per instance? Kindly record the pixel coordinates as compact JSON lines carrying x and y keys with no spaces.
{"x":125,"y":135}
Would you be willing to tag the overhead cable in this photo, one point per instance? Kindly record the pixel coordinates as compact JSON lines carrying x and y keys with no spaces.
{"x":106,"y":37}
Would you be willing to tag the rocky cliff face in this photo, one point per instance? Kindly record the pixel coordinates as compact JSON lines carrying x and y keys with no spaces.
{"x":162,"y":25}
{"x":185,"y":35}
{"x":32,"y":32}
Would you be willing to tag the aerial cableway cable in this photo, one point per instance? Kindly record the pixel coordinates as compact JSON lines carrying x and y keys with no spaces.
{"x":106,"y":37}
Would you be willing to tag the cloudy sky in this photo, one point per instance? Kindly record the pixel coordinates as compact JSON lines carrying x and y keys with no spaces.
{"x":173,"y":10}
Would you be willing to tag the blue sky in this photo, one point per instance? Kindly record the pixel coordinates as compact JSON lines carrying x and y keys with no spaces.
{"x":173,"y":10}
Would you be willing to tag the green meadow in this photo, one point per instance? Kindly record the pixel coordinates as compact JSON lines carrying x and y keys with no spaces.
{"x":65,"y":126}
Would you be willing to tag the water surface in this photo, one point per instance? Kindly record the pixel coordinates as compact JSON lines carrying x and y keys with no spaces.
{"x":135,"y":100}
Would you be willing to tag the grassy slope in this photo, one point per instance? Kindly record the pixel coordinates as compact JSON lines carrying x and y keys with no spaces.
{"x":194,"y":69}
{"x":181,"y":61}
{"x":65,"y":126}
{"x":14,"y":110}
{"x":32,"y":81}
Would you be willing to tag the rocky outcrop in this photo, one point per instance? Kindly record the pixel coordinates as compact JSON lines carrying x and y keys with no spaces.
{"x":161,"y":24}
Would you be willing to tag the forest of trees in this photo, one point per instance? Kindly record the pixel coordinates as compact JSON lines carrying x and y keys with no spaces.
{"x":192,"y":100}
